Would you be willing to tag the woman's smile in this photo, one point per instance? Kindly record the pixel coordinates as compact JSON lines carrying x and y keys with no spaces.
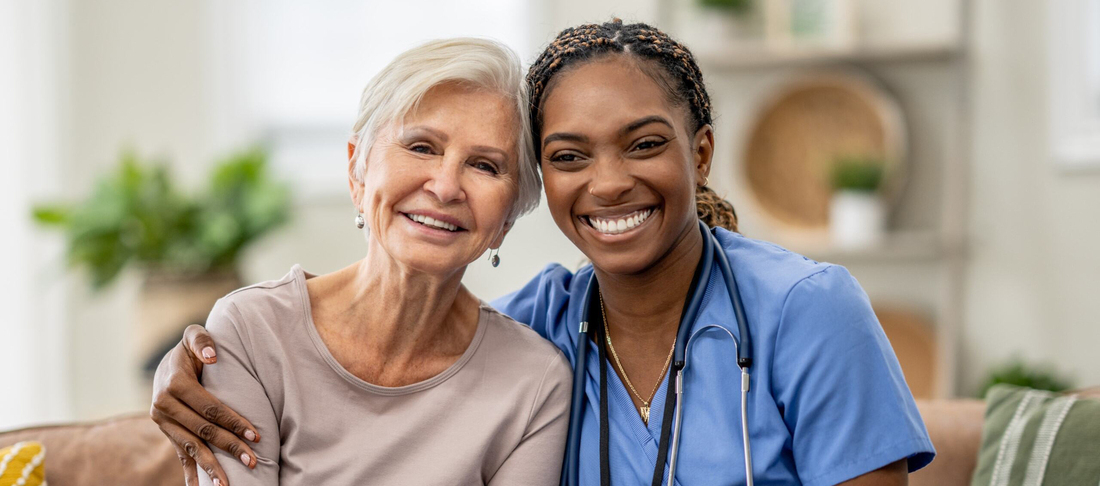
{"x":618,"y":224}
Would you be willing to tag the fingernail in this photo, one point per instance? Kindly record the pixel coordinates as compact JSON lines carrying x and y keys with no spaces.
{"x":246,"y":460}
{"x":208,"y":353}
{"x":217,"y":482}
{"x":250,"y":435}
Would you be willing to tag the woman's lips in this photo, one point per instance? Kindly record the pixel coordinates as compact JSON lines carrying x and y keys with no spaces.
{"x":619,"y":224}
{"x":433,"y":223}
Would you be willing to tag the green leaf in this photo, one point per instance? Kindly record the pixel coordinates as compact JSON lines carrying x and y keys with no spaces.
{"x":51,"y":215}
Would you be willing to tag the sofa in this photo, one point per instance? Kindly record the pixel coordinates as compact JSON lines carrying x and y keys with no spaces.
{"x":130,"y":450}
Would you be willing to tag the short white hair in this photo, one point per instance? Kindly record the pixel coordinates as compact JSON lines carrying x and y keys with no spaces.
{"x":481,"y":63}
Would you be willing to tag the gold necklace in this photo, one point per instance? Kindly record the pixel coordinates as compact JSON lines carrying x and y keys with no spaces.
{"x":644,"y":409}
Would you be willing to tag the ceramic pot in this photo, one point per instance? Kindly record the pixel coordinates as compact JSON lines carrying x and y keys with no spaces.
{"x":168,"y":302}
{"x":857,"y":219}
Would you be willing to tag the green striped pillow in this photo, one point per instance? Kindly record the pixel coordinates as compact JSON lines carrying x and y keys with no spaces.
{"x":1038,"y":438}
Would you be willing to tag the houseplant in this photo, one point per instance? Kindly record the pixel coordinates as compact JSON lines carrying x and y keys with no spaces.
{"x":857,"y":216}
{"x":186,"y":246}
{"x":1021,"y":373}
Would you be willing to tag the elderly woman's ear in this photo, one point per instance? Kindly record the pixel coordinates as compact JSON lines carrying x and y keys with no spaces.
{"x":354,"y":184}
{"x":499,"y":240}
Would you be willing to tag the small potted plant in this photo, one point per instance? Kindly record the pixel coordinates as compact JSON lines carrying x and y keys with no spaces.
{"x":718,"y":22}
{"x":187,"y":247}
{"x":857,"y":216}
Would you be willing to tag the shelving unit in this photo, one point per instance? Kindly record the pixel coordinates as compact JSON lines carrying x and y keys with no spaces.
{"x":921,"y":263}
{"x":760,"y":56}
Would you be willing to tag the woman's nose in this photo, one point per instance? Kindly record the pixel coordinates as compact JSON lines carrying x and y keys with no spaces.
{"x":445,"y":182}
{"x":610,"y":181}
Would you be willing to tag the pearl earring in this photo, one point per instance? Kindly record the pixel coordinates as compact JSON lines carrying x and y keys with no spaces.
{"x":494,"y":258}
{"x":359,"y":221}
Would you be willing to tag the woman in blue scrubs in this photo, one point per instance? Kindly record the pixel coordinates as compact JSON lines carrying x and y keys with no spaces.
{"x":623,"y":130}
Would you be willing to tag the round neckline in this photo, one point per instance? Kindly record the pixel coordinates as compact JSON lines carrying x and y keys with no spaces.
{"x":300,"y":276}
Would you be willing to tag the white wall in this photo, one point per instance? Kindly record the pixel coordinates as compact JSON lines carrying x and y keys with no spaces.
{"x":1034,"y":272}
{"x":33,"y":354}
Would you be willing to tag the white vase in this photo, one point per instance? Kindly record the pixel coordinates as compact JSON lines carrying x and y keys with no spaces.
{"x":857,"y":219}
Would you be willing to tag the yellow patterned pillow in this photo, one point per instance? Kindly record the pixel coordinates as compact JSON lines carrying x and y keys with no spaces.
{"x":23,"y":464}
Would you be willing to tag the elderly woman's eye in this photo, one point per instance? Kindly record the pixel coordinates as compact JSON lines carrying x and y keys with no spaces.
{"x":486,"y":167}
{"x":421,"y":148}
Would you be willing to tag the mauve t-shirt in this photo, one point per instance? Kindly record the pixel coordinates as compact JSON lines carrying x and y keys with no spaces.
{"x":497,"y":416}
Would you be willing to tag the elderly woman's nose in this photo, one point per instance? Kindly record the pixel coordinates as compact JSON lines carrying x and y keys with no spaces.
{"x":610,"y":180}
{"x":445,"y":183}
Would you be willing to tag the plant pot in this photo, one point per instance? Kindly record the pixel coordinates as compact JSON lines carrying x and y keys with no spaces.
{"x":169,"y":302}
{"x":712,"y":28}
{"x":857,"y":219}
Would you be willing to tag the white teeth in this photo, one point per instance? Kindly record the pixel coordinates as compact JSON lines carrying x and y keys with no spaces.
{"x":429,"y":221}
{"x":619,"y":225}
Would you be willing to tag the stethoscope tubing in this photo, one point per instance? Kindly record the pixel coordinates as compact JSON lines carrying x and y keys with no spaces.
{"x":570,"y":471}
{"x":674,"y":453}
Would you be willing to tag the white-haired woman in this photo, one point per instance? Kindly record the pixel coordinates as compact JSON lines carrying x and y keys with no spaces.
{"x":389,"y":371}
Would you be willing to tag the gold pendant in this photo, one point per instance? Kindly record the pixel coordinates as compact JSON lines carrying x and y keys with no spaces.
{"x":644,"y":409}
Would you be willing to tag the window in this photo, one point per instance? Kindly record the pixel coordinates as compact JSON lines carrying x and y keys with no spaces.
{"x":1074,"y":83}
{"x":290,"y":73}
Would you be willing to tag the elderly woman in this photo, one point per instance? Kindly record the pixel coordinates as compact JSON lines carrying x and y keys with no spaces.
{"x":389,"y":371}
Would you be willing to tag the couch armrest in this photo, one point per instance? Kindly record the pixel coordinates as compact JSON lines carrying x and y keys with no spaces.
{"x":126,"y":450}
{"x":955,"y":427}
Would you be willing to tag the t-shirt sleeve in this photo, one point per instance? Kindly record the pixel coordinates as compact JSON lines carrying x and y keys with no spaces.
{"x":839,"y":386}
{"x":538,"y":458}
{"x":542,"y":305}
{"x":235,"y":381}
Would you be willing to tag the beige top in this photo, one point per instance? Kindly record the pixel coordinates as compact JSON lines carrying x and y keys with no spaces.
{"x":497,"y":416}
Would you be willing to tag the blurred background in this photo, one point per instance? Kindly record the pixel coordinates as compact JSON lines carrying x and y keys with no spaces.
{"x":158,"y":154}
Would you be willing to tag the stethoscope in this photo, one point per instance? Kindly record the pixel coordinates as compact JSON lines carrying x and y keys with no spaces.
{"x":590,"y":307}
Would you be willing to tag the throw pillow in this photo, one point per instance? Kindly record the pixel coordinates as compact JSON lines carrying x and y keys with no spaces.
{"x":1038,"y":438}
{"x":23,"y":464}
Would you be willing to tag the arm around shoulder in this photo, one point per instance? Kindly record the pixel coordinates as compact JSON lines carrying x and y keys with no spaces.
{"x":236,"y":382}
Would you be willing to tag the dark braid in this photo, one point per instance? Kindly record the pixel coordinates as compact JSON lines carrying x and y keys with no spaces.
{"x":668,"y":62}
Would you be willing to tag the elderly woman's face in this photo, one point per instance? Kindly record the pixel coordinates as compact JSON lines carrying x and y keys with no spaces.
{"x":439,"y":188}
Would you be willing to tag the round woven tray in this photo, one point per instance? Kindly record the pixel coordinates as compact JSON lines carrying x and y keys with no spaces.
{"x":804,"y":129}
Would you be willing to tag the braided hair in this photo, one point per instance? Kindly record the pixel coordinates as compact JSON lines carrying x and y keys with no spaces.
{"x":668,"y":62}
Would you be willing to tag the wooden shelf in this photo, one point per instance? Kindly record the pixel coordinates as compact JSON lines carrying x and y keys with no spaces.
{"x":762,"y":56}
{"x":906,"y":247}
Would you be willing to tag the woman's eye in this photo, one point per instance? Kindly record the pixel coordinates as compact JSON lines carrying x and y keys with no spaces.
{"x":486,"y":167}
{"x":421,"y":148}
{"x":649,"y":144}
{"x":564,"y":158}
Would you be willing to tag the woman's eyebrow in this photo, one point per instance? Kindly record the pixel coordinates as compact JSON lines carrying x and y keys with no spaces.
{"x":418,"y":130}
{"x":491,"y":150}
{"x":571,"y":137}
{"x":641,"y":122}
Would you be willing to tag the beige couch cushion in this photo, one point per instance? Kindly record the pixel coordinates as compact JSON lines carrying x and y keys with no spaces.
{"x":127,"y":450}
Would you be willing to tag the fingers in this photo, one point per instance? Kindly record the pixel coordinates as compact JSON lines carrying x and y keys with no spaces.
{"x":190,"y":476}
{"x":205,"y":407}
{"x":200,"y":344}
{"x":179,"y":415}
{"x":192,"y":452}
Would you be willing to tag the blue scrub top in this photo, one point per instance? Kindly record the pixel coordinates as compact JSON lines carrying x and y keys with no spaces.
{"x":828,"y":401}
